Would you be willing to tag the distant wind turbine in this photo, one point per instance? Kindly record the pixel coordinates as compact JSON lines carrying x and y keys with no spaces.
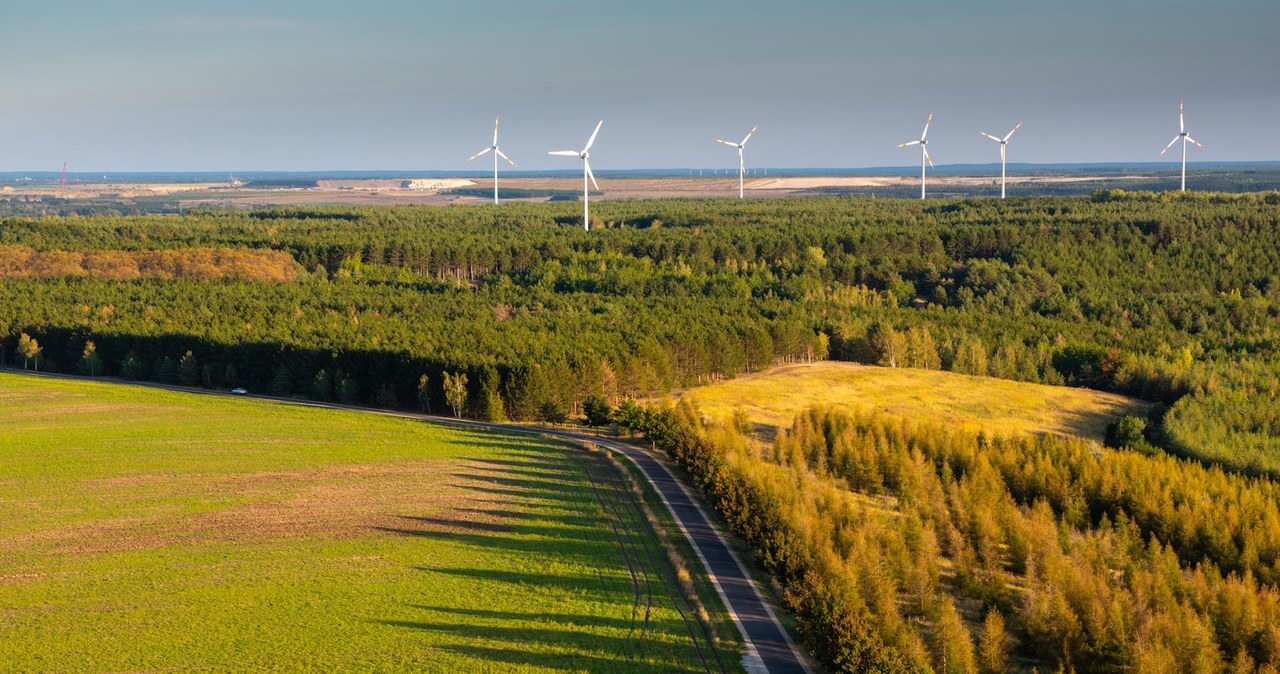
{"x":1003,"y":142}
{"x":924,"y":150}
{"x":742,"y":165}
{"x":496,"y":153}
{"x":585,"y":156}
{"x":1184,"y":137}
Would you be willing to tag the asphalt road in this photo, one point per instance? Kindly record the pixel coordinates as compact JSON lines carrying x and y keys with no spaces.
{"x":768,"y":646}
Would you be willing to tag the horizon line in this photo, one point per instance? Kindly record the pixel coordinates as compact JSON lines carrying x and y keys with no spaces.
{"x":1171,"y":164}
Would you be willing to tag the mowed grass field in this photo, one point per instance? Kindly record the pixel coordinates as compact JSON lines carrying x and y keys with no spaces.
{"x":997,"y":406}
{"x":148,"y":530}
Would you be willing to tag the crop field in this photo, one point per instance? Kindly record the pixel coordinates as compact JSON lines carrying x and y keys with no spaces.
{"x":998,"y":406}
{"x":149,"y":530}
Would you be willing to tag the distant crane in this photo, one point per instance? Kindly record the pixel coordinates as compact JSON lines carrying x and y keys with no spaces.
{"x":924,"y":151}
{"x":1003,"y":142}
{"x":1185,"y":138}
{"x":742,"y":165}
{"x":585,"y":156}
{"x":496,"y":153}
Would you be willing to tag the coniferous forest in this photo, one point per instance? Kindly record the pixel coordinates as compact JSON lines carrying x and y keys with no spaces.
{"x":1161,"y":553}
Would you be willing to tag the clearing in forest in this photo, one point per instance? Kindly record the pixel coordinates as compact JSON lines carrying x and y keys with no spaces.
{"x":998,"y":406}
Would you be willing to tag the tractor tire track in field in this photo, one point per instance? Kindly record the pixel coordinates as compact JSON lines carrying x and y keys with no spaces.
{"x":612,"y":491}
{"x":613,"y":521}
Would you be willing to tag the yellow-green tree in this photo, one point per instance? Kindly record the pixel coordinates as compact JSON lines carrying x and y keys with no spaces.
{"x":90,"y":361}
{"x":30,"y":350}
{"x":455,"y":392}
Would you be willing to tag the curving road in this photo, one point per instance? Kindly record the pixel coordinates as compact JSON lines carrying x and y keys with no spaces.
{"x":769,"y":648}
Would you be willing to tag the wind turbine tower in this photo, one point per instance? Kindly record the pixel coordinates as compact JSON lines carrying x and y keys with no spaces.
{"x":742,"y":165}
{"x":1185,"y":138}
{"x":1003,"y":142}
{"x":924,"y":151}
{"x":496,"y":153}
{"x":585,"y":156}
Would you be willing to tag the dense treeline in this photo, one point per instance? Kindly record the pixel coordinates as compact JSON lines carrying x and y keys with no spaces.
{"x":1174,"y":298}
{"x":889,"y":538}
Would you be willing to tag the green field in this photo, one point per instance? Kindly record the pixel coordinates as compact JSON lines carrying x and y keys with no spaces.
{"x":150,"y":530}
{"x":999,"y":406}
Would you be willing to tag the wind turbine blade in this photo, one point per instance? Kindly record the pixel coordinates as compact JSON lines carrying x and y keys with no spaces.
{"x":909,"y":143}
{"x":495,"y":129}
{"x":926,"y":125}
{"x":1181,"y":126}
{"x":592,"y":140}
{"x":565,"y":153}
{"x":1194,"y":140}
{"x":927,"y":157}
{"x":505,"y":157}
{"x":749,"y":133}
{"x":586,"y":165}
{"x":990,"y":136}
{"x":1015,"y":128}
{"x":480,"y":153}
{"x":1166,"y":148}
{"x":727,"y":143}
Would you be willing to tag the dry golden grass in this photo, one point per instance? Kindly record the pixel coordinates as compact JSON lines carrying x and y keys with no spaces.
{"x":997,"y":406}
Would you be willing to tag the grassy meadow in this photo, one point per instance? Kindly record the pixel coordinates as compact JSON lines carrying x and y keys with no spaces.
{"x":148,"y":530}
{"x":773,"y":397}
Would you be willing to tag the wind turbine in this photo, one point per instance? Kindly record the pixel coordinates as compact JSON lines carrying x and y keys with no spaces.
{"x":1003,"y":142}
{"x":585,"y":156}
{"x":496,"y":153}
{"x":924,"y":150}
{"x":742,"y":165}
{"x":1184,"y":137}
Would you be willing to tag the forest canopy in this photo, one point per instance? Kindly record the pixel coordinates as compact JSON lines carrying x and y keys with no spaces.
{"x":1174,"y":298}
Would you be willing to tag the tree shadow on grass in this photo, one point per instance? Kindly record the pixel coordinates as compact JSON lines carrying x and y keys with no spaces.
{"x":541,"y":507}
{"x":565,"y":528}
{"x":557,"y":640}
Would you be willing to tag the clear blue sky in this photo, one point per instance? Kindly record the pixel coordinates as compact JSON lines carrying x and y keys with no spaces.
{"x":134,"y":85}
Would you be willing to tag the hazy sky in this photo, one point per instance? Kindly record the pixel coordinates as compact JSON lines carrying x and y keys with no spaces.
{"x":131,"y":85}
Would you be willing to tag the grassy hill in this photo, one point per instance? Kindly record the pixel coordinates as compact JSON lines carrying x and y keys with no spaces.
{"x":155,"y":530}
{"x":773,"y":397}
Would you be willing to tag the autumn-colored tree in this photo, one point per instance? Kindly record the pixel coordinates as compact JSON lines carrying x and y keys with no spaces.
{"x":993,"y":645}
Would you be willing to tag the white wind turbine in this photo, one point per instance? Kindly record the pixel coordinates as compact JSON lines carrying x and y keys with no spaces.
{"x":1184,"y":137}
{"x":496,"y":153}
{"x":1003,"y":142}
{"x":585,"y":156}
{"x":924,"y":150}
{"x":742,"y":165}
